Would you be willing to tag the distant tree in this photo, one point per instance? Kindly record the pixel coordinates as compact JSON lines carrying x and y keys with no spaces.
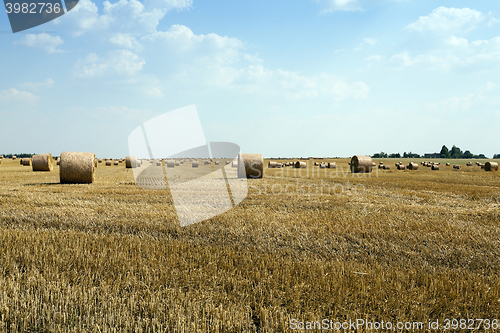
{"x":395,"y":155}
{"x":380,"y":155}
{"x":455,"y":152}
{"x":481,"y":156}
{"x":444,"y":152}
{"x":496,"y":156}
{"x":467,"y":154}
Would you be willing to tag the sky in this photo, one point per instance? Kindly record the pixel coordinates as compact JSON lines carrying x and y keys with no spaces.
{"x":280,"y":78}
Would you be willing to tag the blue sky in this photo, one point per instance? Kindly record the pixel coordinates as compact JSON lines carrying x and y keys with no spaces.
{"x":281,"y":78}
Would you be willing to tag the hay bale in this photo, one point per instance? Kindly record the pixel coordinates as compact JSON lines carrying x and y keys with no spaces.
{"x":322,"y":165}
{"x":413,"y":166}
{"x":76,"y":168}
{"x":316,"y":163}
{"x":361,"y":164}
{"x":482,"y":166}
{"x":491,"y":166}
{"x":194,"y":164}
{"x":130,"y":162}
{"x":206,"y":162}
{"x":26,"y":161}
{"x":300,"y":165}
{"x":108,"y":163}
{"x":250,"y":166}
{"x":386,"y":167}
{"x":332,"y":165}
{"x":171,"y":163}
{"x":469,"y":164}
{"x":401,"y":167}
{"x":42,"y":162}
{"x":14,"y":157}
{"x":234,"y":164}
{"x":176,"y":163}
{"x":271,"y":164}
{"x":448,"y":164}
{"x":116,"y":163}
{"x":227,"y":162}
{"x":435,"y":167}
{"x":456,"y":166}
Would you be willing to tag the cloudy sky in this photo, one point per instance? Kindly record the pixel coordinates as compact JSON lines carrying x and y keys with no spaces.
{"x":281,"y":78}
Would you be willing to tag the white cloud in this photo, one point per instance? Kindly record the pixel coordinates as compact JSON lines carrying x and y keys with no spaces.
{"x":43,"y":41}
{"x":19,"y":96}
{"x":404,"y":59}
{"x":121,"y":62}
{"x":370,"y":41}
{"x":153,"y":92}
{"x":125,"y":40}
{"x":36,"y":85}
{"x":375,"y":57}
{"x":122,"y":17}
{"x":457,"y":42}
{"x":443,"y":19}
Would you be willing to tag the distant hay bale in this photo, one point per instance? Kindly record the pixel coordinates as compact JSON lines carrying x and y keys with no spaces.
{"x":386,"y":167}
{"x":158,"y":162}
{"x":332,"y":165}
{"x":300,"y":165}
{"x":413,"y":166}
{"x":456,"y":166}
{"x":401,"y":167}
{"x":42,"y":162}
{"x":194,"y":164}
{"x":469,"y":164}
{"x":271,"y":164}
{"x":361,"y":164}
{"x":206,"y":162}
{"x":435,"y":167}
{"x":14,"y":157}
{"x":26,"y":161}
{"x":250,"y":166}
{"x":116,"y":162}
{"x":171,"y":163}
{"x":177,"y":163}
{"x":76,"y":168}
{"x":108,"y":163}
{"x":491,"y":166}
{"x":234,"y":164}
{"x":227,"y":162}
{"x":448,"y":164}
{"x":322,"y":165}
{"x":380,"y":163}
{"x":316,"y":163}
{"x":21,"y":161}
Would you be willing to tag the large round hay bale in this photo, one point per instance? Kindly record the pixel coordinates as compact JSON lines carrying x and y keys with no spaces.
{"x":170,"y":164}
{"x":322,"y":165}
{"x":412,"y":166}
{"x":448,"y":164}
{"x":130,"y":162}
{"x":435,"y":167}
{"x":176,"y":163}
{"x":332,"y":165}
{"x":386,"y":167}
{"x":26,"y":161}
{"x":206,"y":162}
{"x":300,"y":165}
{"x":401,"y":167}
{"x":491,"y":166}
{"x":42,"y":162}
{"x":469,"y":164}
{"x":195,"y":164}
{"x":271,"y":164}
{"x":108,"y":163}
{"x":234,"y":164}
{"x":76,"y":168}
{"x":14,"y":157}
{"x":361,"y":164}
{"x":114,"y":163}
{"x":456,"y":166}
{"x":250,"y":166}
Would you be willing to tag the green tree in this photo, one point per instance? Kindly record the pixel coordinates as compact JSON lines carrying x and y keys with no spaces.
{"x":445,"y":153}
{"x":468,"y":154}
{"x":456,"y":152}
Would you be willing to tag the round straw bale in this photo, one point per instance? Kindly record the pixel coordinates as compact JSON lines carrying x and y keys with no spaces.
{"x":26,"y":161}
{"x":234,"y":164}
{"x":108,"y":163}
{"x":401,"y":167}
{"x":76,"y":168}
{"x":412,"y":166}
{"x":361,"y":164}
{"x":227,"y":162}
{"x":448,"y":164}
{"x":194,"y":164}
{"x":435,"y":167}
{"x":469,"y":164}
{"x":482,"y":166}
{"x":491,"y":166}
{"x":116,"y":162}
{"x":42,"y":162}
{"x":316,"y":163}
{"x":215,"y":163}
{"x":14,"y":157}
{"x":170,"y":163}
{"x":322,"y":165}
{"x":381,"y":163}
{"x":271,"y":164}
{"x":386,"y":167}
{"x":177,"y":163}
{"x":250,"y":166}
{"x":130,"y":162}
{"x":332,"y":165}
{"x":456,"y":166}
{"x":300,"y":165}
{"x":206,"y":162}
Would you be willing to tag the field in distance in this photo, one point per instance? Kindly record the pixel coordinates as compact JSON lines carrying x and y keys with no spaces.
{"x":306,"y":244}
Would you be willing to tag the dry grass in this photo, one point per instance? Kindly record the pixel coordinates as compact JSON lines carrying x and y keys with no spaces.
{"x":110,"y":256}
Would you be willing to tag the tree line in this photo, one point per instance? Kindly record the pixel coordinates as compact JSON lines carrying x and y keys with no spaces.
{"x":454,"y":152}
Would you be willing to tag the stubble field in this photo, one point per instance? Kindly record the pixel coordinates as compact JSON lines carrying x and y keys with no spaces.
{"x":306,"y":244}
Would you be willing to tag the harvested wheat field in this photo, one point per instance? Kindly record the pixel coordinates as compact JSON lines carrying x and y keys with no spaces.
{"x":306,"y":244}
